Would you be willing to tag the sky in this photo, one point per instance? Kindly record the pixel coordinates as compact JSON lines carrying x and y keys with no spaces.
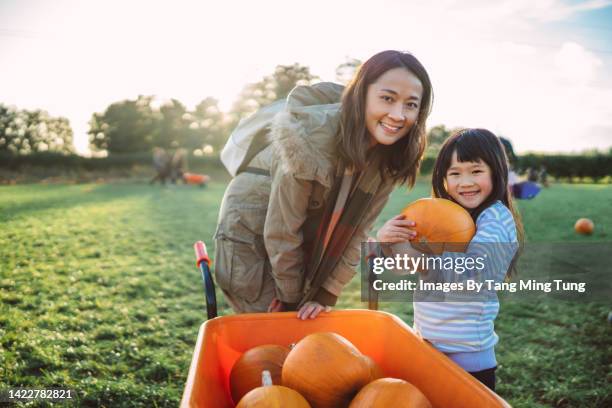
{"x":536,"y":71}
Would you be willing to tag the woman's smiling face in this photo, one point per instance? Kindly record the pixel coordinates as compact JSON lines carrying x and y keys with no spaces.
{"x":392,"y":105}
{"x":468,"y":183}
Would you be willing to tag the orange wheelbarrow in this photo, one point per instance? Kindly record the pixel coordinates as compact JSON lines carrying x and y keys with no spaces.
{"x":384,"y":337}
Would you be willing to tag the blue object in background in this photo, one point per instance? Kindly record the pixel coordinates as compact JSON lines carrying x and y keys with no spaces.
{"x":525,"y":190}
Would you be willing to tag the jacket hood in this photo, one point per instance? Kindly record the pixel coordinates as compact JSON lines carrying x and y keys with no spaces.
{"x":322,"y":93}
{"x":305,"y":133}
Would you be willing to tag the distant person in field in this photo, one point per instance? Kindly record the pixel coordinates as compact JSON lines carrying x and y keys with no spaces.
{"x":521,"y":189}
{"x":532,"y":175}
{"x":162,"y":165}
{"x":291,"y":223}
{"x":544,"y":176}
{"x":509,"y":150}
{"x":513,"y":178}
{"x":178,"y":165}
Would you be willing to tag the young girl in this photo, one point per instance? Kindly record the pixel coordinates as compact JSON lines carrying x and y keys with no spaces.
{"x":471,"y":170}
{"x":292,"y":220}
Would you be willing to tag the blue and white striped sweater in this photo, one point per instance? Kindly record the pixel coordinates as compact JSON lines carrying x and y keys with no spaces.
{"x":465,"y":330}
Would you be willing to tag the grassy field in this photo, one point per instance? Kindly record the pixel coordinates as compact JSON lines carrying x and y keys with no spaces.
{"x":99,"y":293}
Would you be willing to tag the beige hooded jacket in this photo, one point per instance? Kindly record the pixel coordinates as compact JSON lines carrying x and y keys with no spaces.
{"x":270,"y":212}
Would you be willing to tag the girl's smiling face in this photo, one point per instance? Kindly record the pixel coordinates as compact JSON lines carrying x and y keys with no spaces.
{"x":468,"y":183}
{"x":392,"y":105}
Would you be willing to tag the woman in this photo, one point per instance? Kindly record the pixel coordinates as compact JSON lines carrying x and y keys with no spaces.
{"x":292,"y":221}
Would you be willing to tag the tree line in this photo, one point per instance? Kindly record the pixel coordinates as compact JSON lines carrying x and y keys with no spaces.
{"x":29,"y":131}
{"x":139,"y":125}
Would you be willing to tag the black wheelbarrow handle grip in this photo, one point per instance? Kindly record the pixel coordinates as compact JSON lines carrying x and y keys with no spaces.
{"x":203,"y":261}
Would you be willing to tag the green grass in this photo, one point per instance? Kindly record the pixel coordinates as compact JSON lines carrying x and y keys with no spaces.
{"x":99,"y":293}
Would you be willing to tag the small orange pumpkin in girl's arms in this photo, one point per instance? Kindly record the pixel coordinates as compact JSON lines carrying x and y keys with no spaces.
{"x":390,"y":392}
{"x":441,"y":224}
{"x":584,"y":226}
{"x":246,"y":372}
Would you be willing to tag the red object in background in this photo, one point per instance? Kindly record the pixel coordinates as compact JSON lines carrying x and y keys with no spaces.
{"x":193,"y":178}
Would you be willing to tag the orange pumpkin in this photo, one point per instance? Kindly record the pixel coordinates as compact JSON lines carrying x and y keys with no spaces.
{"x":584,"y":226}
{"x":326,"y":369}
{"x":390,"y":392}
{"x":375,"y":370}
{"x":441,"y":225}
{"x":272,"y":396}
{"x":246,"y":372}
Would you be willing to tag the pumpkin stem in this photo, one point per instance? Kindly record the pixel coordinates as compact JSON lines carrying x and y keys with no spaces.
{"x":266,"y":378}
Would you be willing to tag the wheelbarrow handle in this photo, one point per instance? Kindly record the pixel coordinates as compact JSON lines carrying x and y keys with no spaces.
{"x":201,"y":253}
{"x":372,"y":252}
{"x":203,"y":262}
{"x":372,"y":294}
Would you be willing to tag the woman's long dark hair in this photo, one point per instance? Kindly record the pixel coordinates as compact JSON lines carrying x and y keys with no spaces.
{"x":474,"y":145}
{"x":401,"y":160}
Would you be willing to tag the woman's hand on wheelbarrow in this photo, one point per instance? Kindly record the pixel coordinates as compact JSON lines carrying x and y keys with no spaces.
{"x":311,"y":309}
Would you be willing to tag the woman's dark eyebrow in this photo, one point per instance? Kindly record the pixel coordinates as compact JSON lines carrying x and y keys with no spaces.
{"x":391,"y":91}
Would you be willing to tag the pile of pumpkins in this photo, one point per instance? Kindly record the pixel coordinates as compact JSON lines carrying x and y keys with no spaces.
{"x":323,"y":370}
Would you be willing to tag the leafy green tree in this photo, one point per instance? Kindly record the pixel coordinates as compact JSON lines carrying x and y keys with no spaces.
{"x":52,"y":134}
{"x":8,"y":128}
{"x":436,"y":137}
{"x":347,"y":70}
{"x":270,"y":88}
{"x":133,"y":126}
{"x":126,"y":126}
{"x":173,"y":125}
{"x":208,"y":126}
{"x":24,"y":132}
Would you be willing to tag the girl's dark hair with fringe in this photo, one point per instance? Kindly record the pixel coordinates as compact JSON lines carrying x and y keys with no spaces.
{"x":401,"y":160}
{"x":479,"y":145}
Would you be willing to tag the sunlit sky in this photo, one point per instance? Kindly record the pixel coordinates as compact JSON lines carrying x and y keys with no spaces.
{"x":536,"y":71}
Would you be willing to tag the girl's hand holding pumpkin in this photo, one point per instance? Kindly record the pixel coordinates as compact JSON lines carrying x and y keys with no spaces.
{"x":397,"y":229}
{"x":311,"y":309}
